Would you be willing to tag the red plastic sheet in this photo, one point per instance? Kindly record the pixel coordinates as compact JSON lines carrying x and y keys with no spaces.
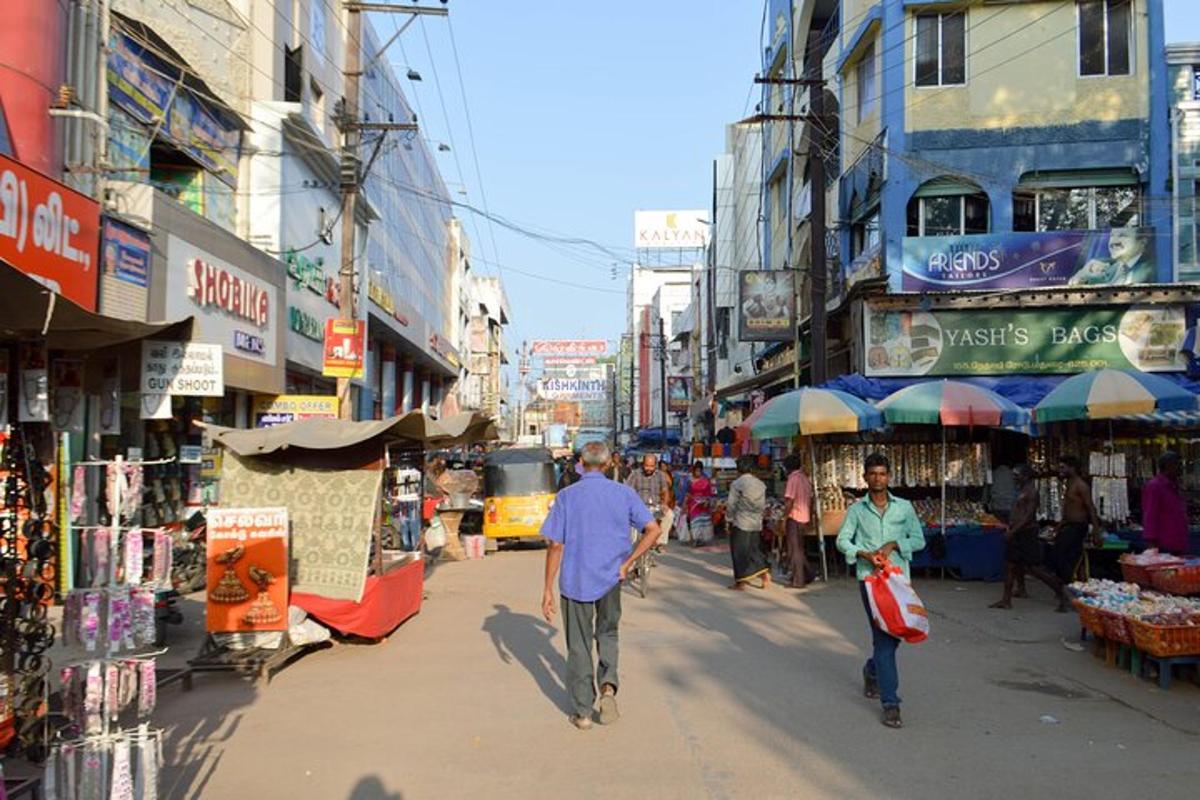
{"x":387,"y":601}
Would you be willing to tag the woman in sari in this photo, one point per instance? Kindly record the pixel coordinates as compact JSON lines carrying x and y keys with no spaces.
{"x":699,"y":506}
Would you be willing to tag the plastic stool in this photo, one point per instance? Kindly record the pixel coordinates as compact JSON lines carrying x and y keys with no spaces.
{"x":1165,"y":665}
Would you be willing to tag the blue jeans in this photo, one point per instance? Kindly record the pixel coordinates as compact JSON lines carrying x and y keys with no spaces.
{"x":882,"y":664}
{"x":408,"y":517}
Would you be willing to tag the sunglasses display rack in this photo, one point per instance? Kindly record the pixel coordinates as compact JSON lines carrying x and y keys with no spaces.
{"x":108,"y":750}
{"x":27,"y":586}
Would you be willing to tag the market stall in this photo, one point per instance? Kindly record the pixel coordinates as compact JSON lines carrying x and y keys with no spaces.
{"x":329,"y":474}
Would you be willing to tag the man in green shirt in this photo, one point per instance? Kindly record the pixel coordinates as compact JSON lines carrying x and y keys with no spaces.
{"x":880,"y":529}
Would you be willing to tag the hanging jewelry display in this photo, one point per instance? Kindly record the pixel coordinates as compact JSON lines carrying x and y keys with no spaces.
{"x":230,"y":588}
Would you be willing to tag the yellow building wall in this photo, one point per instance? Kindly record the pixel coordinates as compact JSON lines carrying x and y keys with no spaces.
{"x":857,"y":136}
{"x":1023,"y":71}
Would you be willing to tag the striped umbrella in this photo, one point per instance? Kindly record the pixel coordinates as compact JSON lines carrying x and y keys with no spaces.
{"x":950,"y":403}
{"x":811,"y":412}
{"x":1108,"y":393}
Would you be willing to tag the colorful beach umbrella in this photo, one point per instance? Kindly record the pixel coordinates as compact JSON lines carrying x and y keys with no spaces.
{"x":951,"y":403}
{"x":1108,"y":393}
{"x":812,"y":412}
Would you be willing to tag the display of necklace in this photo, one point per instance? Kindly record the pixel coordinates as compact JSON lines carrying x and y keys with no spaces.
{"x":263,"y":610}
{"x":230,"y":588}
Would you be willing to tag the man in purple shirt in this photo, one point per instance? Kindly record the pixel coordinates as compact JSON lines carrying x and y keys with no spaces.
{"x":588,"y":534}
{"x":1164,"y":511}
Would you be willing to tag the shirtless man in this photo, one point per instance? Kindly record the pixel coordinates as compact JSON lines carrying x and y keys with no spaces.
{"x":1024,"y":549}
{"x":1078,"y":516}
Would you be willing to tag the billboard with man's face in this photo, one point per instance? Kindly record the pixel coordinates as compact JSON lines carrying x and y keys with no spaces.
{"x":767,"y":305}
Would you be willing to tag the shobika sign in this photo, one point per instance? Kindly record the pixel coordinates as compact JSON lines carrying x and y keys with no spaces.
{"x":211,"y":284}
{"x":1007,"y":341}
{"x":1022,"y":260}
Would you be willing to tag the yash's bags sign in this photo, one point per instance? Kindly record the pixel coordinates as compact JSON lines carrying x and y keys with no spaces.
{"x":247,"y":569}
{"x":49,"y":231}
{"x":1005,"y":341}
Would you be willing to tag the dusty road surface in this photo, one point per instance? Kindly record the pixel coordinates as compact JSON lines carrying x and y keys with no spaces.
{"x":723,"y":695}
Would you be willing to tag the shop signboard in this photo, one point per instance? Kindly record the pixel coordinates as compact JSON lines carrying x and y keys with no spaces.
{"x":568,"y":347}
{"x":345,"y":345}
{"x":1024,"y":260}
{"x":572,"y":388}
{"x":584,"y":371}
{"x":231,"y":307}
{"x":661,"y":230}
{"x":679,"y":394}
{"x":126,"y":253}
{"x":566,"y":361}
{"x":189,"y":369}
{"x":767,"y":302}
{"x":271,"y":410}
{"x":247,"y":570}
{"x":1007,"y":341}
{"x":50,"y":232}
{"x":139,"y":83}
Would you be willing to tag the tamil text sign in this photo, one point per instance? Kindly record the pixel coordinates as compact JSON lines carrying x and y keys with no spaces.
{"x":1012,"y":341}
{"x":49,"y":231}
{"x":1018,"y":260}
{"x":345,"y":343}
{"x":569,"y":347}
{"x":767,"y":300}
{"x":182,"y":368}
{"x":271,"y":410}
{"x":686,"y":229}
{"x":126,"y":253}
{"x":247,"y":570}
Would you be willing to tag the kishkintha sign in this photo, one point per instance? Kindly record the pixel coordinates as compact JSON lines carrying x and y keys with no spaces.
{"x":1018,"y":260}
{"x":1014,"y":341}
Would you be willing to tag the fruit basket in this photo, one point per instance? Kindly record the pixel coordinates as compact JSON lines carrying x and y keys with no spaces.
{"x":1166,"y":641}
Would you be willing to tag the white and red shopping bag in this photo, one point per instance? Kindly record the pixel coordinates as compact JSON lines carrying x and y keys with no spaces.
{"x":895,"y":606}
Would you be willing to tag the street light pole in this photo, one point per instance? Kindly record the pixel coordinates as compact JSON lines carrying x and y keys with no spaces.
{"x":662,"y":377}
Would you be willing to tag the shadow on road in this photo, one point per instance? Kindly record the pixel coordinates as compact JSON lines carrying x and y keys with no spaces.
{"x":372,"y":788}
{"x":530,"y":641}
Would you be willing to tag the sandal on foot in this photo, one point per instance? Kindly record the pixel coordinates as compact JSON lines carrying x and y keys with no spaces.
{"x":891,"y":717}
{"x":608,"y":709}
{"x":581,"y":722}
{"x":870,"y":686}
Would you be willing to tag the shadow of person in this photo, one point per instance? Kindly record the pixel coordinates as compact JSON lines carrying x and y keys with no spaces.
{"x":371,"y":788}
{"x":530,"y":641}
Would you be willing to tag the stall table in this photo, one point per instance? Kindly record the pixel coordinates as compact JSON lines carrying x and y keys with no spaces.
{"x":972,"y":551}
{"x":389,"y":599}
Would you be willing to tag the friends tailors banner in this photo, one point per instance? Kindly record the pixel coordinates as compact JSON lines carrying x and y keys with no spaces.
{"x":1018,"y":260}
{"x":1004,"y":341}
{"x":767,"y":299}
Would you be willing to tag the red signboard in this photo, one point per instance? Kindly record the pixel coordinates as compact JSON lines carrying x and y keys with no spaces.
{"x":49,"y":231}
{"x":344,"y":347}
{"x":569,"y":347}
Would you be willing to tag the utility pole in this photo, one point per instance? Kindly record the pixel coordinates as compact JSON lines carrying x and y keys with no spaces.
{"x":523,"y":371}
{"x":662,"y":376}
{"x":632,"y":364}
{"x":351,"y":174}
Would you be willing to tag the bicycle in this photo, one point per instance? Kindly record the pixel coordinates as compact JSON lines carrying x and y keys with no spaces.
{"x":640,"y":574}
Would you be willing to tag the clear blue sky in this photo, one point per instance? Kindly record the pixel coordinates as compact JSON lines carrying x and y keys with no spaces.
{"x":582,"y":113}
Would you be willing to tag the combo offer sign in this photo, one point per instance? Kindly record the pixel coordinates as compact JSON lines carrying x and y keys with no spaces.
{"x":247,"y":570}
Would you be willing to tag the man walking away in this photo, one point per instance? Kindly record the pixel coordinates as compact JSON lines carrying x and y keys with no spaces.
{"x":1078,"y":513}
{"x":879,"y":530}
{"x":746,"y":505}
{"x":797,"y":496}
{"x":588,"y":533}
{"x":1024,"y":549}
{"x":1164,"y":510}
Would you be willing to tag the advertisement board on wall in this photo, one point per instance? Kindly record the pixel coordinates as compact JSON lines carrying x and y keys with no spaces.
{"x":247,"y":570}
{"x":675,"y":230}
{"x":345,"y":346}
{"x":572,"y":389}
{"x":126,"y":253}
{"x":49,"y":231}
{"x":271,"y":410}
{"x":1004,"y":341}
{"x":767,"y":305}
{"x":182,"y":368}
{"x":231,"y":307}
{"x":1023,"y":260}
{"x":679,"y":394}
{"x":568,"y":347}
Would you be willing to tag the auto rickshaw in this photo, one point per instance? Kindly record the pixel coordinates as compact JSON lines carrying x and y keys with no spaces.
{"x":518,"y":488}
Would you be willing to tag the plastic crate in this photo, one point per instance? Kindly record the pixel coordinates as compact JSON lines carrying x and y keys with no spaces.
{"x":1177,"y":580}
{"x":1166,"y":641}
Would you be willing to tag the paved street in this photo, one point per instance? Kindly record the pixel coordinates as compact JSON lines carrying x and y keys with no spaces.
{"x":724,"y":695}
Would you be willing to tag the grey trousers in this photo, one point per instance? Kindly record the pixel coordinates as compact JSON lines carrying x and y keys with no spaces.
{"x":585,"y":623}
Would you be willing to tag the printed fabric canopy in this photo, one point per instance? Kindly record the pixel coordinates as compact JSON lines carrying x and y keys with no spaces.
{"x":1109,"y":393}
{"x":811,"y":412}
{"x":950,"y":403}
